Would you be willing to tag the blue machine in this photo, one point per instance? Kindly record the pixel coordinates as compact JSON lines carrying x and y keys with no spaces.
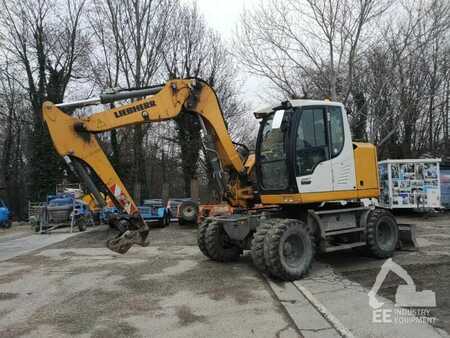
{"x":5,"y":215}
{"x":66,"y":202}
{"x":153,"y":211}
{"x":61,"y":210}
{"x":108,"y":214}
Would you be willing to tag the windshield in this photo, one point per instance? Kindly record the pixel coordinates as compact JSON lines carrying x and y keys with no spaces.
{"x":272,"y":152}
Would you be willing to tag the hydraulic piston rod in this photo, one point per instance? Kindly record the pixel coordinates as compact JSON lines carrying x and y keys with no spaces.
{"x":111,"y":95}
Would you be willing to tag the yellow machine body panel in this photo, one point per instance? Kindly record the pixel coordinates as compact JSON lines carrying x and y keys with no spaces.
{"x":366,"y":167}
{"x":319,"y":197}
{"x":90,"y":201}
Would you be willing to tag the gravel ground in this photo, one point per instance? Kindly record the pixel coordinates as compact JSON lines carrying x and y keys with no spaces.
{"x":79,"y":288}
{"x":22,"y":229}
{"x":429,"y":266}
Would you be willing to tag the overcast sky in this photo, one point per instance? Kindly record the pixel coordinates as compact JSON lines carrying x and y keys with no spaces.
{"x":223,"y":16}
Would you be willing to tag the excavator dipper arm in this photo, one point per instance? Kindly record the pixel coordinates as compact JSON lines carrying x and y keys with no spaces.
{"x":75,"y":140}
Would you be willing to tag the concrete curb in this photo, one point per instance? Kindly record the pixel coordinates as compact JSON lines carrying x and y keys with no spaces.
{"x":340,"y":328}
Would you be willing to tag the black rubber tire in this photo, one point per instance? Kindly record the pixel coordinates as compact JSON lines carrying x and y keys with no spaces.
{"x":313,"y":230}
{"x":217,"y":246}
{"x":188,"y":213}
{"x":82,"y":224}
{"x":201,"y":238}
{"x":274,"y":246}
{"x":257,"y":250}
{"x":8,"y":224}
{"x":378,"y":222}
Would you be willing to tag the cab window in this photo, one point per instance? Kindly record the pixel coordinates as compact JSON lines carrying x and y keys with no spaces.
{"x":336,"y":131}
{"x":311,"y":141}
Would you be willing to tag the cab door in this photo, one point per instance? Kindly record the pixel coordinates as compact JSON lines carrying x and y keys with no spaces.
{"x":271,"y":154}
{"x":313,"y":167}
{"x":341,"y":150}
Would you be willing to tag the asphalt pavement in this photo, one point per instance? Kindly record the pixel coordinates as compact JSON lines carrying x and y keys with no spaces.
{"x":70,"y":285}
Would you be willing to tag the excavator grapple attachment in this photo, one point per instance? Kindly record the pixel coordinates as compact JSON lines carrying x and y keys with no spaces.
{"x":122,"y":243}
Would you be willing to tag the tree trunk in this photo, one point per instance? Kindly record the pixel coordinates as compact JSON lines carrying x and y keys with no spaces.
{"x":359,"y":122}
{"x":189,"y":140}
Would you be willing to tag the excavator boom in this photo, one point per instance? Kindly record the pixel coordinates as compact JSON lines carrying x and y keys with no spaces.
{"x":75,"y":140}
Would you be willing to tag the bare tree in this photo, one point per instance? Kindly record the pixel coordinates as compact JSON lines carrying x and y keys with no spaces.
{"x":15,"y":122}
{"x":198,"y":51}
{"x":392,"y":76}
{"x":306,"y":47}
{"x":131,"y":36}
{"x":401,"y":82}
{"x":45,"y":38}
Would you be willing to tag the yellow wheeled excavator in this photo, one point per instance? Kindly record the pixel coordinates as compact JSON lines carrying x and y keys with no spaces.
{"x":312,"y":184}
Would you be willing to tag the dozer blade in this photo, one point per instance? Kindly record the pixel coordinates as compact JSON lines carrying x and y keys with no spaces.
{"x":122,"y":243}
{"x":407,"y":237}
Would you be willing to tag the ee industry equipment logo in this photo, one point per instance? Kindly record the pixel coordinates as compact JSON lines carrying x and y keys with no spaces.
{"x":411,"y":306}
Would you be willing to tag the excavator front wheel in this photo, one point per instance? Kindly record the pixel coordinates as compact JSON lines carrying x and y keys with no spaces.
{"x":382,"y":233}
{"x":288,"y":250}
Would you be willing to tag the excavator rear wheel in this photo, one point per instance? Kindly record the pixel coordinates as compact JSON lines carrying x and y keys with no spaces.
{"x":201,"y":237}
{"x":382,"y":233}
{"x":218,"y":244}
{"x":258,"y":245}
{"x":288,"y":249}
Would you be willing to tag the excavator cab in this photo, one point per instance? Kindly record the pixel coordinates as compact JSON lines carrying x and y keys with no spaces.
{"x":305,"y":154}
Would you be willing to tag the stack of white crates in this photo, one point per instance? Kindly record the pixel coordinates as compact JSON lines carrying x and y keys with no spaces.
{"x":410,"y":183}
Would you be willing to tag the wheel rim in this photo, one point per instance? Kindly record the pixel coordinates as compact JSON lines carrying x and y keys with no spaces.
{"x":189,"y":212}
{"x":293,"y":250}
{"x":385,"y":235}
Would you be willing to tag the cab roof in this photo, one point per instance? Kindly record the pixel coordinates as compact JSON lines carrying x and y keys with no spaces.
{"x":260,"y":113}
